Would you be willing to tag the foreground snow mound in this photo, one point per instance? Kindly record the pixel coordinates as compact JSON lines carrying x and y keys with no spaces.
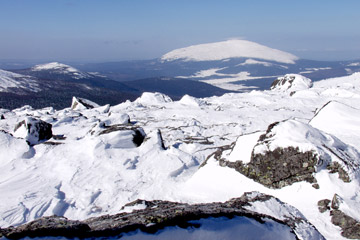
{"x":340,"y":120}
{"x":156,"y":98}
{"x":191,"y":101}
{"x":9,"y":80}
{"x":291,"y":83}
{"x":229,"y":49}
{"x":13,"y":147}
{"x":33,"y":130}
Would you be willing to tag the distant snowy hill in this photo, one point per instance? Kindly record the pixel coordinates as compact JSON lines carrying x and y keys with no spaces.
{"x":53,"y":84}
{"x":229,"y":49}
{"x":60,"y":68}
{"x":235,"y":65}
{"x":300,"y":148}
{"x":13,"y":82}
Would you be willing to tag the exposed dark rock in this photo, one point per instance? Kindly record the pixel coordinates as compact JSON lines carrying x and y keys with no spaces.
{"x":336,"y":201}
{"x":156,"y":216}
{"x":278,"y":168}
{"x":349,"y":226}
{"x":281,"y":81}
{"x":324,"y":205}
{"x":36,"y":130}
{"x":335,"y":167}
{"x":139,"y":137}
{"x":162,"y":145}
{"x":291,"y":81}
{"x":47,"y":226}
{"x":2,"y":117}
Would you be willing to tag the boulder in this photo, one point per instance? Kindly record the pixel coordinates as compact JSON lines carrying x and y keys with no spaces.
{"x":33,"y":130}
{"x":291,"y":151}
{"x":291,"y":83}
{"x":82,"y":103}
{"x":323,"y":205}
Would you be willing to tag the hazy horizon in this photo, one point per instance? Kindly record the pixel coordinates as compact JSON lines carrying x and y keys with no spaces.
{"x":99,"y":31}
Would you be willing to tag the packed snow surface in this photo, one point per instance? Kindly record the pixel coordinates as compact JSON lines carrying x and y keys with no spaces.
{"x":90,"y":167}
{"x":229,"y":49}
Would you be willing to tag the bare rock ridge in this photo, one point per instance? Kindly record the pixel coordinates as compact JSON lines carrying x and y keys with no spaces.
{"x":158,"y":215}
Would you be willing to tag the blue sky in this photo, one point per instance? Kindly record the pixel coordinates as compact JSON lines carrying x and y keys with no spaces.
{"x":110,"y":30}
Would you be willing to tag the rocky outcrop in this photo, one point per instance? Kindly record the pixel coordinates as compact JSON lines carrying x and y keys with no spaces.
{"x":291,"y":83}
{"x":33,"y":130}
{"x":349,"y":226}
{"x":291,"y":151}
{"x":278,"y":168}
{"x":156,"y":216}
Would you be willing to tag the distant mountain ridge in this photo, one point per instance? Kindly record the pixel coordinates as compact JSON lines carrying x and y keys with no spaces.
{"x":229,"y":49}
{"x":202,"y":70}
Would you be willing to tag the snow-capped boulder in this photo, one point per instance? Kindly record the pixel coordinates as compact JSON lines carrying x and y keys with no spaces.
{"x":33,"y":130}
{"x":120,"y":136}
{"x":82,"y":103}
{"x":116,"y":118}
{"x":148,"y":98}
{"x":291,"y":83}
{"x":191,"y":101}
{"x":292,"y":151}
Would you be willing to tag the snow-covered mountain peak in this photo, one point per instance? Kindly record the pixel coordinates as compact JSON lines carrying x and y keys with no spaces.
{"x":53,"y":66}
{"x":229,"y":49}
{"x":10,"y":80}
{"x":60,"y":68}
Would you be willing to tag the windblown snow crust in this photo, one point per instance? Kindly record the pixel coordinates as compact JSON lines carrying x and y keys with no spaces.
{"x":229,"y":49}
{"x":101,"y":158}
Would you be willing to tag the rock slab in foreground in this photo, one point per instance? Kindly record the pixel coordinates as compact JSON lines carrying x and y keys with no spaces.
{"x":159,"y":214}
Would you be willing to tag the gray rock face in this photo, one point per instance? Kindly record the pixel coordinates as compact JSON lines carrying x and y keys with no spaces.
{"x":349,"y":226}
{"x":156,"y":216}
{"x":278,"y":168}
{"x":33,"y":130}
{"x":323,"y":205}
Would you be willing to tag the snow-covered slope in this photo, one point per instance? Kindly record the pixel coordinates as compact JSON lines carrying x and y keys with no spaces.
{"x":101,"y":158}
{"x":229,"y":49}
{"x":60,"y":68}
{"x":10,"y":81}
